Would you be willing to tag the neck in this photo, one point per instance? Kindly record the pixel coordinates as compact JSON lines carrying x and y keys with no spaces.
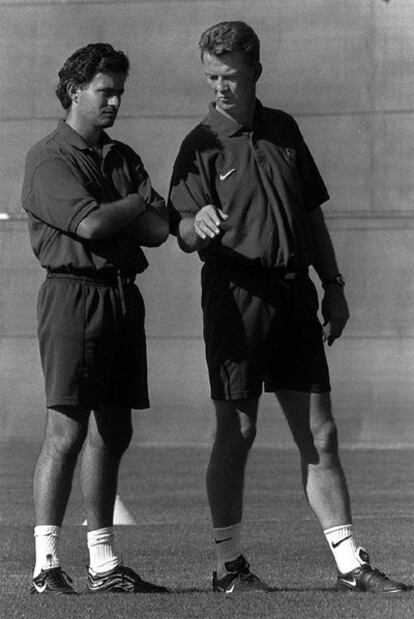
{"x":91,"y":135}
{"x":244,"y":117}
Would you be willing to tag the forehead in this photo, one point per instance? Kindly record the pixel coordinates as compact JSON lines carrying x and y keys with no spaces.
{"x":226,"y":63}
{"x":114,"y":81}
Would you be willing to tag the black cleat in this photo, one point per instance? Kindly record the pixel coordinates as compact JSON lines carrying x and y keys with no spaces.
{"x":239,"y":579}
{"x":120,"y":580}
{"x":367,"y":579}
{"x":53,"y":580}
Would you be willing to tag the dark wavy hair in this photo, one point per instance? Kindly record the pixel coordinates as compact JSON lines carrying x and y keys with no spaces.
{"x":85,"y":63}
{"x":231,"y":36}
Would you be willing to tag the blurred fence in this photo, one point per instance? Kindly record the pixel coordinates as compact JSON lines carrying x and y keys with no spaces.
{"x":344,"y":70}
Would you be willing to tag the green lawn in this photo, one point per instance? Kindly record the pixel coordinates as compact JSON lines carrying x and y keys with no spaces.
{"x":163,"y":488}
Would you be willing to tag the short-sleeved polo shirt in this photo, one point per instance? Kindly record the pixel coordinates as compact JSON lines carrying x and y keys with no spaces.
{"x":265,"y":179}
{"x":64,"y":181}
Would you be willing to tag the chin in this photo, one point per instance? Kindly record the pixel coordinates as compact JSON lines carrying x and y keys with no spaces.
{"x":226,"y":107}
{"x":107,"y":123}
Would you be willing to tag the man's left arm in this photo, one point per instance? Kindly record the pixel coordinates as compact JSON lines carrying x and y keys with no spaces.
{"x":151,"y":228}
{"x":335,"y":310}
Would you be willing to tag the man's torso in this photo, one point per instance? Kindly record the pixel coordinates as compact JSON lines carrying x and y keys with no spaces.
{"x":265,"y":180}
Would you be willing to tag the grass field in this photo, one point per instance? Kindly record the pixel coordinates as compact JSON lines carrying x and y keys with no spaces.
{"x":163,"y":488}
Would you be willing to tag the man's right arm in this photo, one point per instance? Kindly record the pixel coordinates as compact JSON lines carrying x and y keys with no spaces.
{"x":194,"y":219}
{"x":196,"y":231}
{"x":55,"y":194}
{"x":109,"y":218}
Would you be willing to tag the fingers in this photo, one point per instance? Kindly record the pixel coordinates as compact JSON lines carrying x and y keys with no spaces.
{"x":222,"y":214}
{"x":207,"y":221}
{"x":332,"y":330}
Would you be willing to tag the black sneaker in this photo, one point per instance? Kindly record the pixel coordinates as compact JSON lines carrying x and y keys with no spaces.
{"x":120,"y":580}
{"x":52,"y":580}
{"x":367,"y":579}
{"x":238,"y":579}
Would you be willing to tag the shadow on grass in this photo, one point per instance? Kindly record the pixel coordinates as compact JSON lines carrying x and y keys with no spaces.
{"x":271,"y":590}
{"x":282,"y":590}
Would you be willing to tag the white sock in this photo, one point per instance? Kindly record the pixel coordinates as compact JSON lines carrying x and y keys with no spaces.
{"x":342,"y":544}
{"x":102,"y":557}
{"x":47,"y":547}
{"x":228,"y":546}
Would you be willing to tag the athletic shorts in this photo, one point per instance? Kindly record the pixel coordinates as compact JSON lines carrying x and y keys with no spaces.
{"x":261,"y":331}
{"x":92,"y":346}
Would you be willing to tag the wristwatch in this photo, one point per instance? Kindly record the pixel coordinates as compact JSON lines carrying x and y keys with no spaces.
{"x":338,"y":280}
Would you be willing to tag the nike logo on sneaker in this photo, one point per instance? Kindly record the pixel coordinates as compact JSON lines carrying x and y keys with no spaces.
{"x":222,"y":177}
{"x":230,"y":589}
{"x":340,"y":541}
{"x":220,"y":541}
{"x":350,"y":583}
{"x":40,"y":588}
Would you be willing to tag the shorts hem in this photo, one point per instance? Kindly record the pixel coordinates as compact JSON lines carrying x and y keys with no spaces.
{"x":97,"y":405}
{"x":303,"y":388}
{"x":63,"y":402}
{"x":243,"y":395}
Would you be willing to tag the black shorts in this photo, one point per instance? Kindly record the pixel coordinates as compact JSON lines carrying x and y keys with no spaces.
{"x":93,"y":351}
{"x":261,"y":330}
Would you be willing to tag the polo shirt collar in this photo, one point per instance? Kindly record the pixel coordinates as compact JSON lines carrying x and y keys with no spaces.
{"x":72,"y":137}
{"x":228,"y":126}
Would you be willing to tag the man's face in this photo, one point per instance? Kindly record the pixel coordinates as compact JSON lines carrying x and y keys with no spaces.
{"x":233,"y":81}
{"x":96,"y":105}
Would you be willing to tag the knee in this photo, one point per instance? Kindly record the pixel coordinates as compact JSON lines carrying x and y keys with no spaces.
{"x":248,"y":433}
{"x":120,"y":442}
{"x":64,"y":440}
{"x":236,"y":437}
{"x":112,"y":437}
{"x":326,"y":438}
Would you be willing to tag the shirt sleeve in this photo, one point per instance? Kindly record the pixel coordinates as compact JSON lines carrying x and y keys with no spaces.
{"x":187,"y":194}
{"x":313,"y":187}
{"x":57,"y":197}
{"x":142,"y":184}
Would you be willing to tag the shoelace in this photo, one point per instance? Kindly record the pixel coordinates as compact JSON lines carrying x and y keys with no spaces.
{"x":248,"y":577}
{"x":377,"y":572}
{"x":59,"y":577}
{"x":129,"y":577}
{"x":128,"y":573}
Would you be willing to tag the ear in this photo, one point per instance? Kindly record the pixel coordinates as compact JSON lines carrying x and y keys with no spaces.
{"x":258,"y":71}
{"x":73,"y":91}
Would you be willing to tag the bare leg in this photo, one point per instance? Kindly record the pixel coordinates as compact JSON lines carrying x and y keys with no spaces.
{"x":65,"y":434}
{"x":236,"y":430}
{"x":314,"y":430}
{"x":110,"y":432}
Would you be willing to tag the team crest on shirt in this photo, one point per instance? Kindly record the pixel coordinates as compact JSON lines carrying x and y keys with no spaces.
{"x":290,"y":155}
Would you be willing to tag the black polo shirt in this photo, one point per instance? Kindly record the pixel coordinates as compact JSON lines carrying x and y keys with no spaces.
{"x":265,"y":179}
{"x":65,"y":180}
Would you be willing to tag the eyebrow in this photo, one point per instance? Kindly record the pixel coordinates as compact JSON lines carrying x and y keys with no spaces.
{"x":119,"y":91}
{"x":229,"y":73}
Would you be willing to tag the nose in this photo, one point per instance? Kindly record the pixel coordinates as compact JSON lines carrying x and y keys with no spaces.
{"x":221,"y":86}
{"x":114,"y":101}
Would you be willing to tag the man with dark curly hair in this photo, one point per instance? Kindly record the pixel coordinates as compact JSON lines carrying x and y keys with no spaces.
{"x":90,"y":207}
{"x":246,"y":194}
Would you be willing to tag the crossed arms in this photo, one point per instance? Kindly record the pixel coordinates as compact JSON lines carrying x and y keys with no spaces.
{"x":132,"y":215}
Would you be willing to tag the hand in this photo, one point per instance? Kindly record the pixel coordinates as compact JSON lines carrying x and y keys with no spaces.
{"x":335,"y":313}
{"x":208,"y":220}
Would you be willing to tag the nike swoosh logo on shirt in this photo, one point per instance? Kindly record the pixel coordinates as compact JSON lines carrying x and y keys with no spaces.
{"x":340,"y":541}
{"x":222,"y":177}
